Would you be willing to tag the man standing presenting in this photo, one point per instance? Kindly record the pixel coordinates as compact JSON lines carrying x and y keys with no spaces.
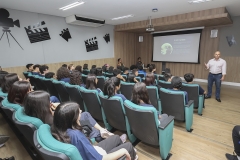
{"x":217,"y":71}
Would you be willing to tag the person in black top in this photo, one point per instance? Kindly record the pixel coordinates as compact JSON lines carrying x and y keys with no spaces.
{"x":139,"y":62}
{"x":49,"y":75}
{"x":236,"y":143}
{"x":29,"y":67}
{"x":36,"y":70}
{"x":189,"y":79}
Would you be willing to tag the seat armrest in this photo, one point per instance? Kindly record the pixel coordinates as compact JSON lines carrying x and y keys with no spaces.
{"x":166,"y":122}
{"x":122,"y":158}
{"x":189,"y":103}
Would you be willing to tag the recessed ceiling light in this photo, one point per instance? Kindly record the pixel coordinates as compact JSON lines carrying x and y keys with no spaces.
{"x":198,"y":1}
{"x":75,"y":4}
{"x":123,"y":17}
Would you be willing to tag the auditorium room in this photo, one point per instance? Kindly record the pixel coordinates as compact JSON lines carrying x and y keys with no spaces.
{"x":119,"y":80}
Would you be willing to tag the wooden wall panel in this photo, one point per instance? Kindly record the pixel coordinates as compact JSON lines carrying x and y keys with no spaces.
{"x":53,"y":67}
{"x":125,"y":47}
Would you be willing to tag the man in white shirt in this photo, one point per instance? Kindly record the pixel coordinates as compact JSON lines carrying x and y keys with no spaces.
{"x":217,"y":71}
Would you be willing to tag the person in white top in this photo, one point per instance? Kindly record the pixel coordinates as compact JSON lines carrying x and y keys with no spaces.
{"x":217,"y":70}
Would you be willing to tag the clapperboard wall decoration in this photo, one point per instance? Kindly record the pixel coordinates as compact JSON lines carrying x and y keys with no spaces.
{"x":36,"y":33}
{"x":107,"y":38}
{"x":65,"y":34}
{"x":91,"y":44}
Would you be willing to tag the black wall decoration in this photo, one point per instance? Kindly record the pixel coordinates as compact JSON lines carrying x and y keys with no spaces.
{"x":107,"y":38}
{"x":231,"y":40}
{"x":65,"y":34}
{"x":91,"y":44}
{"x":36,"y":33}
{"x":6,"y":23}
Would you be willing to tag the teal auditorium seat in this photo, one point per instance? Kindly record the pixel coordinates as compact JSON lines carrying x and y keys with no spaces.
{"x":146,"y":127}
{"x":154,"y":97}
{"x":193,"y":94}
{"x":50,"y":87}
{"x":85,"y":71}
{"x":115,"y":114}
{"x":40,"y":84}
{"x":126,"y":89}
{"x":52,"y":149}
{"x":62,"y":91}
{"x":93,"y":105}
{"x":101,"y":81}
{"x":3,"y":95}
{"x":9,"y":108}
{"x":26,"y":124}
{"x":26,"y":74}
{"x":164,"y":84}
{"x":139,"y":79}
{"x":173,"y":103}
{"x":109,"y":75}
{"x":75,"y":95}
{"x":84,"y":78}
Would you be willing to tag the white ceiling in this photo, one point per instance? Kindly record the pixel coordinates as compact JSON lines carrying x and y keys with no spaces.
{"x":107,"y":9}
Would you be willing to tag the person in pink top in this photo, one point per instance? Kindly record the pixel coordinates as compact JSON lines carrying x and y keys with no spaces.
{"x":217,"y":70}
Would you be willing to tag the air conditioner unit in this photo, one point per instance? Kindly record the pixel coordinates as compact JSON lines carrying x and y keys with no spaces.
{"x":84,"y":21}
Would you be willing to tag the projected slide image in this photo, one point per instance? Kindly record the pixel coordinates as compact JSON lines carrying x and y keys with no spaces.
{"x":176,"y":48}
{"x":166,"y":48}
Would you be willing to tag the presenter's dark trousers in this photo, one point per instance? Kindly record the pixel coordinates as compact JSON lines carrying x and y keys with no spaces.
{"x":236,"y":139}
{"x":217,"y":79}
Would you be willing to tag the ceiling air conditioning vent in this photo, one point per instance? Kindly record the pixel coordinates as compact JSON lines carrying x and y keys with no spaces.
{"x":84,"y":21}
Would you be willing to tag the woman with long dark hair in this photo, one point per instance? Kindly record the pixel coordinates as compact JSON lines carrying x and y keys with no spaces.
{"x":18,"y":91}
{"x":76,"y":78}
{"x":140,"y":97}
{"x":150,"y":81}
{"x":91,"y":82}
{"x":37,"y":104}
{"x":111,"y":86}
{"x":67,"y":128}
{"x":8,"y":81}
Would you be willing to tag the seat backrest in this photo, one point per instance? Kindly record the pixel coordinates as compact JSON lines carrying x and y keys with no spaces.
{"x":143,"y":122}
{"x":92,"y":102}
{"x":75,"y":95}
{"x":9,"y":108}
{"x":52,"y":149}
{"x":32,"y":81}
{"x":50,"y":87}
{"x":139,"y":79}
{"x":114,"y":111}
{"x":172,"y":103}
{"x":26,"y":124}
{"x":109,"y":75}
{"x":85,"y":71}
{"x":153,"y":96}
{"x":141,"y":75}
{"x":25,"y":74}
{"x":84,"y":78}
{"x":164,"y":84}
{"x":101,"y":81}
{"x":126,"y":89}
{"x":193,"y":92}
{"x":161,"y":77}
{"x":62,"y":91}
{"x":40,"y":84}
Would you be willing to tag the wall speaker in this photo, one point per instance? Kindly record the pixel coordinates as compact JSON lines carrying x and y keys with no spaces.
{"x":140,"y":38}
{"x":214,"y":33}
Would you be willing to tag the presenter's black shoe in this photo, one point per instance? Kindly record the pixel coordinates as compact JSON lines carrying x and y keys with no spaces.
{"x":218,"y":99}
{"x":231,"y":157}
{"x":206,"y":97}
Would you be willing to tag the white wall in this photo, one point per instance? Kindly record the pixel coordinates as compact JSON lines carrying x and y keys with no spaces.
{"x":56,"y":49}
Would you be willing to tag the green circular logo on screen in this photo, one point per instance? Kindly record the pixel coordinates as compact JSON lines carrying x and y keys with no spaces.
{"x":166,"y":49}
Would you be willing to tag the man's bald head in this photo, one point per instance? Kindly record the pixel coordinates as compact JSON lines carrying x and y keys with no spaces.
{"x":217,"y":55}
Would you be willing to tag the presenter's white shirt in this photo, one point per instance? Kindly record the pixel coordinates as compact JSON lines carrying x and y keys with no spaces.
{"x":217,"y":66}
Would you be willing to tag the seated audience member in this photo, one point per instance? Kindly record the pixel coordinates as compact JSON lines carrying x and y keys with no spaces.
{"x":135,"y":72}
{"x":78,"y":68}
{"x":94,"y":66}
{"x":132,"y":67}
{"x":132,"y":78}
{"x":140,"y":70}
{"x":93,"y":71}
{"x":168,"y":77}
{"x":150,"y":81}
{"x":76,"y":78}
{"x":18,"y":91}
{"x":152,"y":68}
{"x":37,"y":104}
{"x":125,"y":71}
{"x":120,"y":65}
{"x":104,"y":68}
{"x":8,"y":81}
{"x":2,"y":75}
{"x":189,"y":79}
{"x":167,"y":70}
{"x":99,"y":71}
{"x":67,"y":128}
{"x":140,"y":97}
{"x":64,"y":65}
{"x":71,"y":67}
{"x":43,"y":70}
{"x":63,"y":74}
{"x":110,"y":69}
{"x":177,"y":84}
{"x":50,"y":75}
{"x":85,"y":66}
{"x":91,"y":83}
{"x":111,"y":86}
{"x":236,"y":144}
{"x":29,"y":67}
{"x":139,"y":62}
{"x":117,"y":73}
{"x":36,"y":70}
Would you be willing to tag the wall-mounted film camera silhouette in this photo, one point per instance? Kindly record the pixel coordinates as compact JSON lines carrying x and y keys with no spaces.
{"x":6,"y":23}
